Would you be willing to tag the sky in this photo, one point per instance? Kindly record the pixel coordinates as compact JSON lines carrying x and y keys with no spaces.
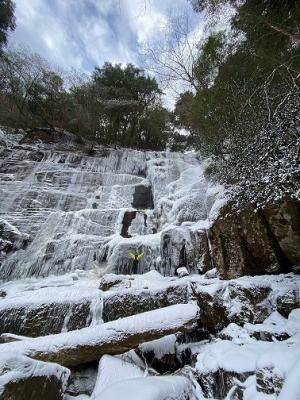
{"x":82,"y":34}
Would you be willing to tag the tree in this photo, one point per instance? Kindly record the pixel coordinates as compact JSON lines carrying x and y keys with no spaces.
{"x":123,"y":96}
{"x":33,"y":92}
{"x":244,"y":113}
{"x":173,"y":55}
{"x":7,"y":21}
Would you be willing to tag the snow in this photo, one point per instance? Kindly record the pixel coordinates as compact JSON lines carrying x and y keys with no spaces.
{"x":149,"y":388}
{"x":182,"y":271}
{"x":14,"y":367}
{"x":160,"y":347}
{"x":112,"y":370}
{"x":164,"y":318}
{"x":71,"y":206}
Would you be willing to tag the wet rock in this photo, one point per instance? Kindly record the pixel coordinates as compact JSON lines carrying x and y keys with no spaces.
{"x":255,"y":242}
{"x":110,"y":280}
{"x":132,"y":301}
{"x":268,"y":382}
{"x":43,"y":319}
{"x":142,"y":197}
{"x":23,"y":378}
{"x":90,"y":344}
{"x":3,"y":293}
{"x":82,"y":379}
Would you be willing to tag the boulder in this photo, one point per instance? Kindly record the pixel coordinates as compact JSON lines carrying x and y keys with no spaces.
{"x":254,"y":242}
{"x":184,"y":246}
{"x":112,"y":370}
{"x":89,"y":344}
{"x":245,"y":299}
{"x":151,"y":387}
{"x":131,"y":301}
{"x":82,"y":379}
{"x":22,"y":378}
{"x":42,"y":319}
{"x":161,"y":354}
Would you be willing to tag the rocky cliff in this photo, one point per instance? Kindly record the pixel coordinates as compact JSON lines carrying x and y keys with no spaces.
{"x":69,"y":215}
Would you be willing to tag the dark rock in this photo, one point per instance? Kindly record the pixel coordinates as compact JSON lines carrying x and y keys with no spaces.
{"x":109,"y":280}
{"x":128,"y":217}
{"x":142,"y":197}
{"x":130,"y":302}
{"x":255,"y":242}
{"x":268,"y":382}
{"x":31,"y":379}
{"x":82,"y":379}
{"x":3,"y":293}
{"x":288,"y":302}
{"x":44,"y":319}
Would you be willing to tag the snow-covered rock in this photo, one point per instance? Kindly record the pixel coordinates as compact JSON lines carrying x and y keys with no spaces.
{"x":149,"y":388}
{"x":23,"y":378}
{"x":89,"y":344}
{"x":112,"y":370}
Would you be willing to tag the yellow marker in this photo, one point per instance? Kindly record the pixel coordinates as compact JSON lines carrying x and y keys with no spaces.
{"x":136,"y":257}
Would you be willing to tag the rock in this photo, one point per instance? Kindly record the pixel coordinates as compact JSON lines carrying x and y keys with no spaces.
{"x":9,"y":337}
{"x":245,"y":299}
{"x":89,"y":344}
{"x":42,"y":319}
{"x":142,"y":197}
{"x":3,"y":293}
{"x":255,"y":242}
{"x":288,"y":302}
{"x":110,"y":280}
{"x":268,"y":382}
{"x":133,"y":301}
{"x":152,"y":387}
{"x":112,"y":370}
{"x":22,"y":378}
{"x":182,"y":272}
{"x":161,"y":354}
{"x":82,"y":379}
{"x":184,"y":246}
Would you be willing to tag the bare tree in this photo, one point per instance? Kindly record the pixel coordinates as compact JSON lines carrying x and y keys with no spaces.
{"x":173,"y":55}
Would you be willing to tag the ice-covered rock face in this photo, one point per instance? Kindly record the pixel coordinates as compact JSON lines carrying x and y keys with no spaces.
{"x":62,"y":209}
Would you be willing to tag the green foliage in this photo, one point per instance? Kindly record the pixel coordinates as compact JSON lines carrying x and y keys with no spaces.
{"x":245,"y":76}
{"x":7,"y":20}
{"x":115,"y":106}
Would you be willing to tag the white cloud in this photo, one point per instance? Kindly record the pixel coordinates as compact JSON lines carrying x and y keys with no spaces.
{"x":85,"y":33}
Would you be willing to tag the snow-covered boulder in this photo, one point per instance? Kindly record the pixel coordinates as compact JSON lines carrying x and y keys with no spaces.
{"x":23,"y":378}
{"x":245,"y":299}
{"x":89,"y":344}
{"x":112,"y":370}
{"x":182,"y":272}
{"x":149,"y":388}
{"x":161,"y":354}
{"x":137,"y":299}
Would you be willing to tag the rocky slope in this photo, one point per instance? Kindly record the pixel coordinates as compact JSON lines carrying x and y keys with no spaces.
{"x":227,"y":327}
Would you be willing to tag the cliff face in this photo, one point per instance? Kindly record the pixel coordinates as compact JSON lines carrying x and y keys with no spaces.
{"x":64,"y":209}
{"x":70,"y":214}
{"x":256,"y":242}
